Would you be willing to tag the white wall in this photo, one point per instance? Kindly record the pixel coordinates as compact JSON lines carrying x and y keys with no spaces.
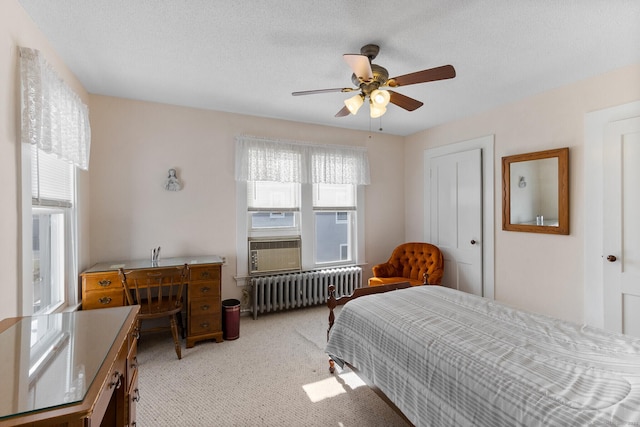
{"x":17,"y":29}
{"x":134,"y":145}
{"x":537,"y":272}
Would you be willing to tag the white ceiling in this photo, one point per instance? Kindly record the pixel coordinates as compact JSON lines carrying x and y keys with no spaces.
{"x":248,"y":56}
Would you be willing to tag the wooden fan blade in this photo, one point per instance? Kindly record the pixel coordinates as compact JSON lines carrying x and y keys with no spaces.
{"x":312,"y":92}
{"x":430,"y":75}
{"x":344,"y":112}
{"x":361,"y":67}
{"x":404,"y":101}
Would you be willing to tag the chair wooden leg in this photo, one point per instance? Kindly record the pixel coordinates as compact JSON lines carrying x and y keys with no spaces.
{"x":176,"y":341}
{"x":181,"y":328}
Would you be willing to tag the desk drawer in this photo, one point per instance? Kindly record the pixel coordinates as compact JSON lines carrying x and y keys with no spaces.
{"x":101,"y":281}
{"x":133,"y":396}
{"x":132,"y":362}
{"x":204,"y":290}
{"x":104,"y":299}
{"x":204,"y":273}
{"x":114,"y":384}
{"x":205,"y":306}
{"x":205,"y":324}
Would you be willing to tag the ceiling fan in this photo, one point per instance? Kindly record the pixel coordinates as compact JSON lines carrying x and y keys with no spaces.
{"x":372,"y":79}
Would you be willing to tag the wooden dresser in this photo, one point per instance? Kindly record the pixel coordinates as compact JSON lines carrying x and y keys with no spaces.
{"x":101,"y":288}
{"x":70,"y":369}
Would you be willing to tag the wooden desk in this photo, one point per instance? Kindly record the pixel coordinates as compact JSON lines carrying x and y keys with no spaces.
{"x":69,"y":369}
{"x":101,"y":288}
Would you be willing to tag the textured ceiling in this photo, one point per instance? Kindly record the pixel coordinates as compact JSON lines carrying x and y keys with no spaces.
{"x":248,"y":56}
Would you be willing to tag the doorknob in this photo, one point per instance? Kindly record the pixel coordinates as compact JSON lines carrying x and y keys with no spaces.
{"x":611,"y":258}
{"x":473,"y":242}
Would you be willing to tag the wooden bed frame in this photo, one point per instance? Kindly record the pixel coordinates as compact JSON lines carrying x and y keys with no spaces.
{"x":333,"y":302}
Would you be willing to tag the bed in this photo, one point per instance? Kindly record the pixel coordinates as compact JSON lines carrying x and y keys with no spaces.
{"x":446,"y":358}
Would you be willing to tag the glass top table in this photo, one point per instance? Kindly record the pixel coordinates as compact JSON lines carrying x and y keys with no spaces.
{"x":146,"y":263}
{"x":51,"y":360}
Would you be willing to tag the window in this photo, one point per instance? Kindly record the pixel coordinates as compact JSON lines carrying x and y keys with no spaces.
{"x":323,"y":215}
{"x":55,"y":136}
{"x":52,"y":243}
{"x":296,"y":189}
{"x":274,"y":207}
{"x":333,"y":205}
{"x":48,"y":259}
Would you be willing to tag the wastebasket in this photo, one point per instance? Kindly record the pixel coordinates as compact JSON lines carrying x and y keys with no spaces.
{"x":231,"y":319}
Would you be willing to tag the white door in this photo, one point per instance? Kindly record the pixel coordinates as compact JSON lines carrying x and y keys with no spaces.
{"x":621,"y":216}
{"x":456,"y":217}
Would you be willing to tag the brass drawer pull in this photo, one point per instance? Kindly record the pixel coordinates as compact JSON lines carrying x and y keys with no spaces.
{"x":105,"y":300}
{"x":136,"y":395}
{"x":205,"y":325}
{"x":134,"y":363}
{"x":104,"y":283}
{"x":117,"y":382}
{"x":204,"y":307}
{"x":205,"y":275}
{"x":205,"y":289}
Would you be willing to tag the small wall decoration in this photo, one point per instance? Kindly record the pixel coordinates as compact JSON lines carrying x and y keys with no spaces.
{"x":172,"y":183}
{"x":521,"y":182}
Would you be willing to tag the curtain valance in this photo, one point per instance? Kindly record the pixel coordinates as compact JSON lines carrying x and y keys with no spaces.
{"x":261,"y":159}
{"x":53,"y":116}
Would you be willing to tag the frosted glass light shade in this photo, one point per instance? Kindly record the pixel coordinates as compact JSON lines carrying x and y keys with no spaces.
{"x":376,"y":111}
{"x":354,"y":103}
{"x":380,"y":98}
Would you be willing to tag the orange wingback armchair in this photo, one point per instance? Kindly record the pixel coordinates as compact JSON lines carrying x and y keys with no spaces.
{"x":409,"y":262}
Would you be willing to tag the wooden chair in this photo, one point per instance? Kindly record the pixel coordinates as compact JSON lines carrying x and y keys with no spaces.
{"x":159,"y":294}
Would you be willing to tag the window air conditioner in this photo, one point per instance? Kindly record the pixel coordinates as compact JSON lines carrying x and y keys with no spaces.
{"x":274,"y":255}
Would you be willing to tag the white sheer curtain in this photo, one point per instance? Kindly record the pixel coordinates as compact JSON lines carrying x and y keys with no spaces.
{"x":267,"y":160}
{"x":339,"y":165}
{"x":261,"y":159}
{"x":53,"y":116}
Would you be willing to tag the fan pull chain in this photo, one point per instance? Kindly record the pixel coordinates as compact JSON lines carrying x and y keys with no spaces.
{"x":379,"y":129}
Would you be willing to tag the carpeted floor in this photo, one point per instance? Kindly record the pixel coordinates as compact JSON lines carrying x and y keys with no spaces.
{"x":275,"y":374}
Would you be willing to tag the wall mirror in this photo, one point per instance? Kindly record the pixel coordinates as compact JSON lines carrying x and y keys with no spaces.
{"x":535,"y":192}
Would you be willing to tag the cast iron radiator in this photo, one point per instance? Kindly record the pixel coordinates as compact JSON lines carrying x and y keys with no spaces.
{"x":301,"y":289}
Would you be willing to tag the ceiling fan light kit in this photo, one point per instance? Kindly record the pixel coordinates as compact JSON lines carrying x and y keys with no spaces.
{"x":354,"y":103}
{"x":380,"y":97}
{"x":376,"y":111}
{"x":369,"y":78}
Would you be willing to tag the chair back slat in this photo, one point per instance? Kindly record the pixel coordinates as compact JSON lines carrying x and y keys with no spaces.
{"x":156,"y":291}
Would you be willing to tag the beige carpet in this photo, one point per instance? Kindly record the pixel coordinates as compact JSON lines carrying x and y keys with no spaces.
{"x":275,"y":374}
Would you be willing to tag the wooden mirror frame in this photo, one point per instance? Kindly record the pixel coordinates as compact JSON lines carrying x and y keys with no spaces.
{"x":563,"y":192}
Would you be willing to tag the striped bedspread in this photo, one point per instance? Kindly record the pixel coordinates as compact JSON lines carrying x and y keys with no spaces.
{"x":448,"y":358}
